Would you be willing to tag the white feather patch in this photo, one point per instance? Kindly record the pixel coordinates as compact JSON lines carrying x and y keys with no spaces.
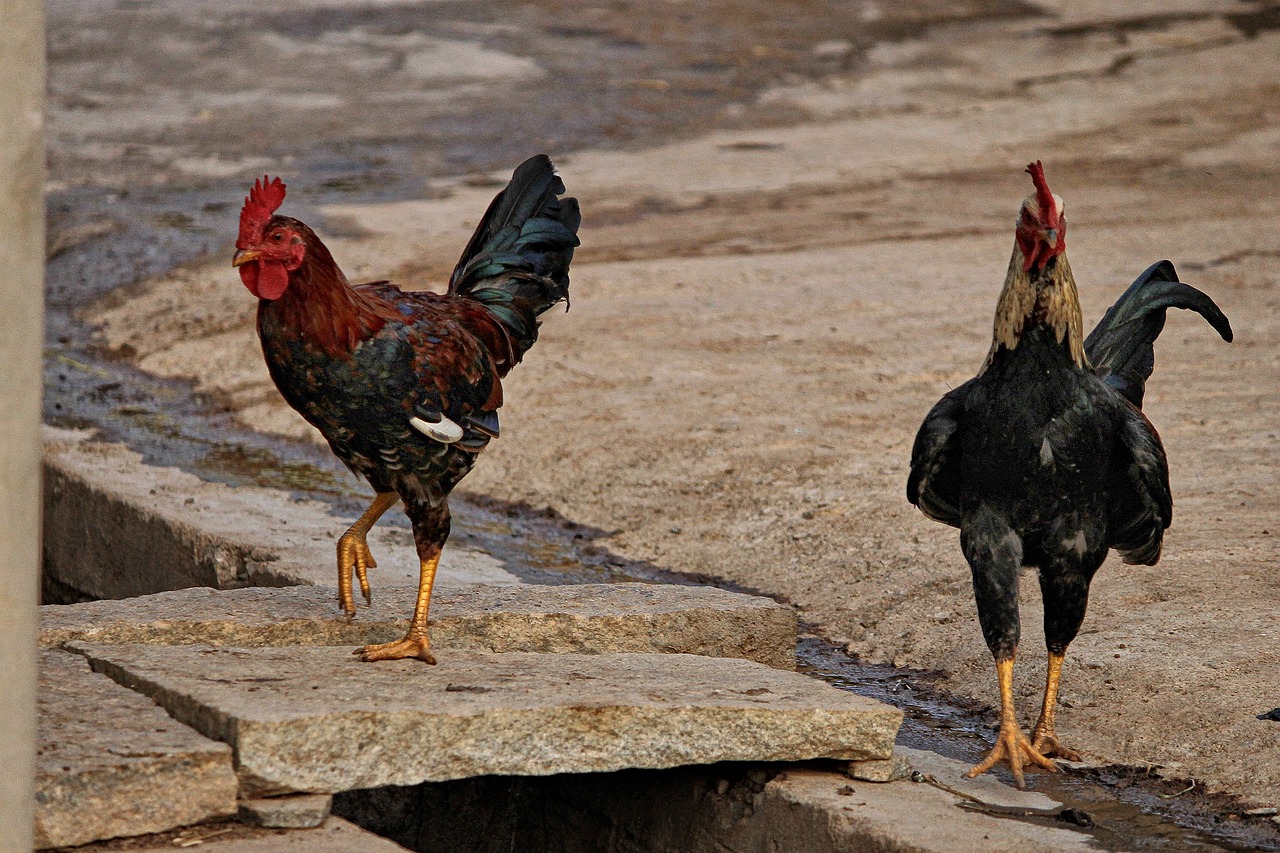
{"x":445,"y":432}
{"x":1077,"y":543}
{"x":1046,"y":452}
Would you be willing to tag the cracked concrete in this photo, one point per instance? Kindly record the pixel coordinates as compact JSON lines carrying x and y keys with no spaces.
{"x":110,"y":763}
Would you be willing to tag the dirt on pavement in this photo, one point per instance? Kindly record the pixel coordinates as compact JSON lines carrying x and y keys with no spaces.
{"x":762,"y":316}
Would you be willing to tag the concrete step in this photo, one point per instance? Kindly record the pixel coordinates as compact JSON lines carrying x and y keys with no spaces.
{"x":588,"y":618}
{"x":110,"y":763}
{"x":115,"y":527}
{"x":316,"y":719}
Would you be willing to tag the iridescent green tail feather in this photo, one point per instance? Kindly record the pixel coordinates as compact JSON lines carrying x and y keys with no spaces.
{"x":517,"y":262}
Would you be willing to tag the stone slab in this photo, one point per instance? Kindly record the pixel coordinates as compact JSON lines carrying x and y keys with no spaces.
{"x":318,"y":720}
{"x":880,"y":770}
{"x":726,"y":808}
{"x":184,"y":531}
{"x":587,"y":618}
{"x":810,"y":810}
{"x":110,"y":763}
{"x":334,"y":836}
{"x":297,"y":811}
{"x":985,"y":789}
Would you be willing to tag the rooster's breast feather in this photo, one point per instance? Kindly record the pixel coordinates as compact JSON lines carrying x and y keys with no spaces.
{"x":452,"y":370}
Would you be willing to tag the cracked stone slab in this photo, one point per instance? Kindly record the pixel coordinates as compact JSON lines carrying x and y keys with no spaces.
{"x":318,"y":720}
{"x":110,"y":763}
{"x":587,"y":618}
{"x":197,"y":533}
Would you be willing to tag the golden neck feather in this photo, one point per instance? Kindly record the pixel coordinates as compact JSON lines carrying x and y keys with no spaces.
{"x":1024,"y":305}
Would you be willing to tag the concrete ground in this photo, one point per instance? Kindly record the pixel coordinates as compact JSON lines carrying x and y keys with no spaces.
{"x":765,"y":308}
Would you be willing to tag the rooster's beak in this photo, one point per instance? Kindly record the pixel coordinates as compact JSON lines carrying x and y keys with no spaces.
{"x":244,"y":256}
{"x":1050,"y":238}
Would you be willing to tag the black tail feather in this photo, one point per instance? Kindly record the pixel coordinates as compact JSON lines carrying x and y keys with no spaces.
{"x":527,"y":228}
{"x":1121,"y":348}
{"x":517,"y":261}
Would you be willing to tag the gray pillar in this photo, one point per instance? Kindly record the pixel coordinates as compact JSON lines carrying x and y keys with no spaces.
{"x":21,"y":343}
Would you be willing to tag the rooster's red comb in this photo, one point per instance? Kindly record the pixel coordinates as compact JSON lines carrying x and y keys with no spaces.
{"x":1044,"y":196}
{"x":267,"y":195}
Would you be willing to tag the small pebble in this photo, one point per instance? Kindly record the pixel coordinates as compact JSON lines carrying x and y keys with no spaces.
{"x":835,"y":49}
{"x":1076,"y":817}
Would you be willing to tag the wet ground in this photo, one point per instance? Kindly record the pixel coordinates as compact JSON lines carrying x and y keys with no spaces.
{"x":151,"y":146}
{"x":1122,"y":808}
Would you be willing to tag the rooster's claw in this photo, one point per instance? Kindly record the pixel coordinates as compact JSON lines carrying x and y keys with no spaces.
{"x":410,"y":646}
{"x":1046,"y":743}
{"x":353,"y":556}
{"x":1013,"y":747}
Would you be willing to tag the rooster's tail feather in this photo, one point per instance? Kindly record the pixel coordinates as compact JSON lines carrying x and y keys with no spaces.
{"x":1122,"y":347}
{"x":517,"y":261}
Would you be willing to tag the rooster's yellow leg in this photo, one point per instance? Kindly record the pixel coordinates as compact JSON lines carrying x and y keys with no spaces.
{"x":416,"y":643}
{"x":354,"y":553}
{"x":1045,"y":737}
{"x":1011,"y":744}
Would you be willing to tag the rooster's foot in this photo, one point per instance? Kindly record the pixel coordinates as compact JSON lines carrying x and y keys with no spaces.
{"x":355,"y":557}
{"x":1012,"y":746}
{"x":410,"y":646}
{"x":1045,"y":741}
{"x":1045,"y":735}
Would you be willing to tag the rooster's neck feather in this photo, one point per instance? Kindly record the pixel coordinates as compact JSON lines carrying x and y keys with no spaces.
{"x":1024,"y":304}
{"x":323,"y":308}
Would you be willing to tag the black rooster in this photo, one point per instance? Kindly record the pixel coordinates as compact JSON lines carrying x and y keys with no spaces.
{"x":1045,"y":458}
{"x":406,"y":386}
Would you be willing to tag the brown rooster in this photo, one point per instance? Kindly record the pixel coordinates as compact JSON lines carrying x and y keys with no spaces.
{"x":406,"y":386}
{"x":1045,"y":458}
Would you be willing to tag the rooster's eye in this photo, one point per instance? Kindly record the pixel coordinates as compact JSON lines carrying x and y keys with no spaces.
{"x":277,"y":236}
